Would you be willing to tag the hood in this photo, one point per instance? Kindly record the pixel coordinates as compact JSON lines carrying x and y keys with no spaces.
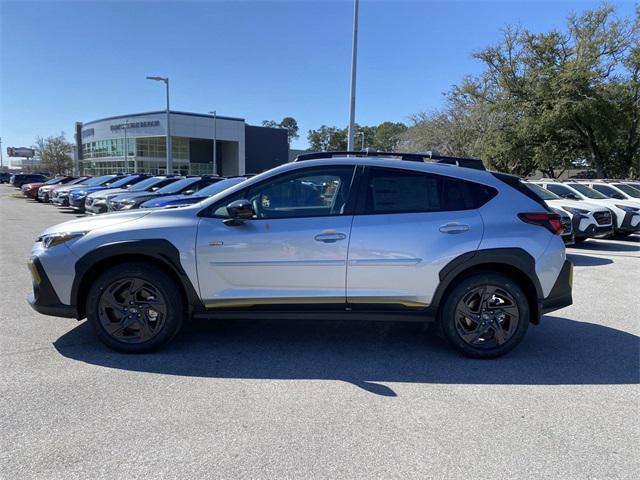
{"x":90,"y":189}
{"x":85,"y":224}
{"x":171,"y":199}
{"x":71,"y":187}
{"x":29,"y":186}
{"x":107,"y":191}
{"x":133,"y":196}
{"x":584,"y":205}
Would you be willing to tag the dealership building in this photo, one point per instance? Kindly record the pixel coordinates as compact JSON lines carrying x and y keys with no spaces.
{"x":240,"y":148}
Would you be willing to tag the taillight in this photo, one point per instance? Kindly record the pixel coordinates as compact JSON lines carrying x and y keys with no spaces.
{"x":550,"y":221}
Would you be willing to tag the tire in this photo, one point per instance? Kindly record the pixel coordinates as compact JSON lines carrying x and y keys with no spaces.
{"x":135,"y":307}
{"x":504,"y":324}
{"x":580,"y":239}
{"x":623,"y":234}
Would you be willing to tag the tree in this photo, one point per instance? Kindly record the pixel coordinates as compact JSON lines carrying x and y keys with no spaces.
{"x":288,"y":123}
{"x":548,"y":100}
{"x":327,"y":139}
{"x":387,"y":135}
{"x":54,"y":154}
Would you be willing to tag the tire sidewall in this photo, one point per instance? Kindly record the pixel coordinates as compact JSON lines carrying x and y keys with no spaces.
{"x":446,"y":318}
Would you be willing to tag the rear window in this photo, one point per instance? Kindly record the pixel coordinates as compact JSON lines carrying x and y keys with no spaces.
{"x":403,"y":191}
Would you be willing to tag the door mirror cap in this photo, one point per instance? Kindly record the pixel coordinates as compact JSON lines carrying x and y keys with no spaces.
{"x":239,"y":211}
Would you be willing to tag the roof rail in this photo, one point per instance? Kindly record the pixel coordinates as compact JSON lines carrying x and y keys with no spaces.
{"x":411,"y":157}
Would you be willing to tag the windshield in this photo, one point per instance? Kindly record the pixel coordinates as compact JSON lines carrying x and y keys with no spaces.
{"x":629,"y":190}
{"x":98,"y":180}
{"x":542,"y":193}
{"x":586,"y":191}
{"x":608,"y":191}
{"x":176,"y":187}
{"x":220,"y":186}
{"x":144,"y":184}
{"x":54,"y":181}
{"x":123,"y":181}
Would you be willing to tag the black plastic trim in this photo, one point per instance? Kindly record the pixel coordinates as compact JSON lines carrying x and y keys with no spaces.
{"x":560,"y":295}
{"x":45,"y":300}
{"x":159,"y":249}
{"x":626,"y":223}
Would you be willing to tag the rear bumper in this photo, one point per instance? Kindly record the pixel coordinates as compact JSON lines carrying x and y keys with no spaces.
{"x":560,"y":295}
{"x":44,"y":298}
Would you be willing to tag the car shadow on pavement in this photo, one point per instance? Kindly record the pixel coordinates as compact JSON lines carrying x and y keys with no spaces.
{"x":607,"y":246}
{"x":580,"y":260}
{"x":368,"y":354}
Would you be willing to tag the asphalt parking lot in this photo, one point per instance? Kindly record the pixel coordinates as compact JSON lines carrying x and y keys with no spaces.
{"x":264,"y":399}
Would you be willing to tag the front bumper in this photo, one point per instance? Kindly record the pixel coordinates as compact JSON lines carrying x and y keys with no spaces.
{"x":62,"y":200}
{"x":77,"y":203}
{"x":630,"y":223}
{"x":560,"y":295}
{"x":44,"y":298}
{"x":95,"y":206}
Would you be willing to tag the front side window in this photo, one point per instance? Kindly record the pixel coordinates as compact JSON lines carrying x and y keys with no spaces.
{"x":608,"y":191}
{"x":629,"y":190}
{"x":309,"y":193}
{"x":560,"y":190}
{"x":403,"y":191}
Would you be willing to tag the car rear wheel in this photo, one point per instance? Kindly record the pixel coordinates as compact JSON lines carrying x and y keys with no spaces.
{"x":135,"y":307}
{"x":485,"y":315}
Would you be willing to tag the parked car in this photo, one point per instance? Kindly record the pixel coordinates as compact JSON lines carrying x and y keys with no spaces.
{"x":30,"y":190}
{"x":474,"y":250}
{"x":97,"y":202}
{"x":5,"y":177}
{"x":20,"y":179}
{"x":45,"y":191}
{"x":182,"y":200}
{"x":61,"y":195}
{"x":587,"y":219}
{"x":628,"y":189}
{"x":78,"y":196}
{"x":626,"y":214}
{"x":188,"y":185}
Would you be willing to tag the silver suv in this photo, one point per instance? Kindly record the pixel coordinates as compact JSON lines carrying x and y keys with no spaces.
{"x":337,"y":235}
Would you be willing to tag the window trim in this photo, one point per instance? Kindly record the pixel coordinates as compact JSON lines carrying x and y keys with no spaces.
{"x":360,"y":209}
{"x":349,"y":204}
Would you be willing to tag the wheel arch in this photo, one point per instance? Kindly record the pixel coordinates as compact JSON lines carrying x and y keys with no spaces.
{"x":514,"y":263}
{"x":158,"y":252}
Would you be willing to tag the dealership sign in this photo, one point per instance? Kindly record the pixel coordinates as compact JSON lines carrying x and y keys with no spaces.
{"x":128,"y":125}
{"x":21,"y":152}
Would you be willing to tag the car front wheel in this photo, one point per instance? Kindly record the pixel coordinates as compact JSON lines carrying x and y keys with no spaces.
{"x":135,"y":307}
{"x":485,"y":315}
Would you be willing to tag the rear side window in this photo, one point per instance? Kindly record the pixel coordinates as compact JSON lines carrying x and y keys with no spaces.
{"x":558,"y":189}
{"x":402,"y":191}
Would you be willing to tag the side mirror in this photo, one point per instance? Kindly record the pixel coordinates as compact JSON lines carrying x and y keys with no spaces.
{"x":239,"y":211}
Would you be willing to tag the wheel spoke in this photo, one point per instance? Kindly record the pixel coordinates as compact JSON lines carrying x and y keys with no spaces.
{"x":465,"y":311}
{"x":499,"y":334}
{"x":146,"y":332}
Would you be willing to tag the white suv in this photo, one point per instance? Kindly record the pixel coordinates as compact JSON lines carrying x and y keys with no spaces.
{"x":626,"y":213}
{"x":347,"y":236}
{"x":588,"y":220}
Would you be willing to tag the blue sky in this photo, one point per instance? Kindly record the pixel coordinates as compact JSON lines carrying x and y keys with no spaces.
{"x":78,"y":61}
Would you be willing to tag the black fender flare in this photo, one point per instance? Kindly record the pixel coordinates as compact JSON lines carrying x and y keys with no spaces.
{"x":160,"y":250}
{"x":511,"y":258}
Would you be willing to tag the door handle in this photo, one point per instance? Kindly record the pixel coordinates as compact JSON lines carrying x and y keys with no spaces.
{"x":453,"y":228}
{"x":329,"y":237}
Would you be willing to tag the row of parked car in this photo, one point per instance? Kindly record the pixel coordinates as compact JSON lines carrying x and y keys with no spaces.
{"x":592,"y":208}
{"x":115,"y":192}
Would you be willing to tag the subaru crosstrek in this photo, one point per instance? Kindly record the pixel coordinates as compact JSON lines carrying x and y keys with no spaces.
{"x":349,"y":236}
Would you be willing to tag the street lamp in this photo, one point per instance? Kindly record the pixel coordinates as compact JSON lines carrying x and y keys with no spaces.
{"x":215,"y":142}
{"x":354,"y":56}
{"x":362,"y":135}
{"x":168,"y":145}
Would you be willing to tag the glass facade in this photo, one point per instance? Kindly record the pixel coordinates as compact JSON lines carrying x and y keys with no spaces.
{"x":107,"y":156}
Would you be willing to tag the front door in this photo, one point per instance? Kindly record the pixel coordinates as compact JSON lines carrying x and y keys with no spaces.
{"x":293,"y":251}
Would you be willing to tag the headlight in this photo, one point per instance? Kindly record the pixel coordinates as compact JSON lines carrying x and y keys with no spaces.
{"x":576,"y":211}
{"x":53,"y":239}
{"x":628,"y":209}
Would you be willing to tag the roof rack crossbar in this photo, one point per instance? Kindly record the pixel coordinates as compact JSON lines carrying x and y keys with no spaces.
{"x":411,"y":157}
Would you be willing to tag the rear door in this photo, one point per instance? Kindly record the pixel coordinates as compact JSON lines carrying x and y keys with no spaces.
{"x":408,"y":225}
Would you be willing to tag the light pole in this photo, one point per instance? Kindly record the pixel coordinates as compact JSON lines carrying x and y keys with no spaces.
{"x":215,"y":142}
{"x":362,"y":135}
{"x":354,"y":56}
{"x":168,"y":144}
